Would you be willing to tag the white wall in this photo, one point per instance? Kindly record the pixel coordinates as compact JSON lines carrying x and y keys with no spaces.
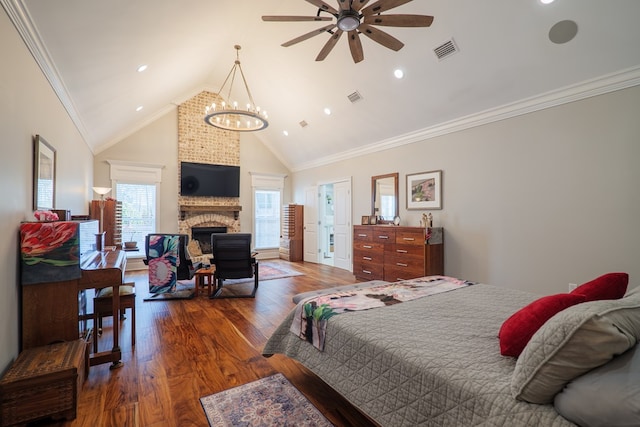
{"x":28,"y":106}
{"x":533,"y":202}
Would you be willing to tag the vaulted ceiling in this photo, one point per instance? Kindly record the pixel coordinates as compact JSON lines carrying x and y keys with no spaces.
{"x":505,"y":64}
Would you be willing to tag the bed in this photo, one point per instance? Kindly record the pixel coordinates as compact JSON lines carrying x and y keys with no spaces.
{"x":431,"y":361}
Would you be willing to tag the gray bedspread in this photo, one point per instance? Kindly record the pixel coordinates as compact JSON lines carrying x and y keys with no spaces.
{"x":430,"y":362}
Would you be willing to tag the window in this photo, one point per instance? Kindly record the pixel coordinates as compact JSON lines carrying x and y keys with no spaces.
{"x":138,"y":211}
{"x":267,"y":218}
{"x":136,"y":186}
{"x":267,"y":205}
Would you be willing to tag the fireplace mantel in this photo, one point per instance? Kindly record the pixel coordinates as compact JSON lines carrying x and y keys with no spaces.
{"x":211,"y":208}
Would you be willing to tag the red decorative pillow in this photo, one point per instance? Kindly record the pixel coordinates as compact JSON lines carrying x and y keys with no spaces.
{"x":608,"y":286}
{"x":518,"y":329}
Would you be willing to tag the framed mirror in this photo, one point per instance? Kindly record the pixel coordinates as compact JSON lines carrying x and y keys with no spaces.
{"x":44,"y":174}
{"x":384,"y":197}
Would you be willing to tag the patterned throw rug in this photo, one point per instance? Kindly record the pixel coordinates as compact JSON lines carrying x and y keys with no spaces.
{"x":268,"y":271}
{"x":270,"y":401}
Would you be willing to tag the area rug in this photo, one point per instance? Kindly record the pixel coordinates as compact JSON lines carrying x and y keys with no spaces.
{"x":185,"y":289}
{"x":270,"y":401}
{"x":268,"y":271}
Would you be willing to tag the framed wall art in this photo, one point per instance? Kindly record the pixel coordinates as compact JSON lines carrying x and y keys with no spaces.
{"x":424,"y":190}
{"x":44,"y":175}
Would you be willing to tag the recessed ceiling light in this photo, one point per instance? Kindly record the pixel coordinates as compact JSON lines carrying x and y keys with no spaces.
{"x":142,"y":68}
{"x":286,"y":133}
{"x":546,"y":1}
{"x":398,"y":73}
{"x":140,"y":107}
{"x":327,"y":111}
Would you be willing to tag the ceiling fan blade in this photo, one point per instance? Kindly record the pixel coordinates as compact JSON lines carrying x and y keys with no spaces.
{"x":356,"y":46}
{"x":344,"y":4}
{"x":329,"y":45}
{"x":382,"y":5}
{"x":309,"y":35}
{"x":295,"y":18}
{"x":399,"y":20}
{"x":358,"y":4}
{"x":322,"y":5}
{"x":385,"y":39}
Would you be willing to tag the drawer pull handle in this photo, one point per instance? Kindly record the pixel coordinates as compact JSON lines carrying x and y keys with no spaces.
{"x":401,"y":251}
{"x":411,"y":239}
{"x":366,"y":271}
{"x":383,"y":237}
{"x":366,"y":258}
{"x":362,"y":235}
{"x":367,"y":246}
{"x":401,"y":264}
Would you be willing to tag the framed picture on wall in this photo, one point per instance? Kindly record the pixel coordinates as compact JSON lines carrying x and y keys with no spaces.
{"x":44,"y":174}
{"x":424,"y":190}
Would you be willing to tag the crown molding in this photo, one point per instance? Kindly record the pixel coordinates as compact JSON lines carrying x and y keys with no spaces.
{"x":604,"y":84}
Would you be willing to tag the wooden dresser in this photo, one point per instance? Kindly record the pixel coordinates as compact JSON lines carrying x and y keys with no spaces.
{"x":383,"y":252}
{"x":291,"y":240}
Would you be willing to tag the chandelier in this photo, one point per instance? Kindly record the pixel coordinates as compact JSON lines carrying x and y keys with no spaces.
{"x":232,"y":116}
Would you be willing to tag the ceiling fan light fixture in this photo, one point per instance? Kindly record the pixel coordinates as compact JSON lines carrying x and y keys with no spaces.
{"x":348,"y":20}
{"x":231,"y":116}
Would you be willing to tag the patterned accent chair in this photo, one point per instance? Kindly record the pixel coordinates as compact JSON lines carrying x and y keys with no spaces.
{"x":169,"y":261}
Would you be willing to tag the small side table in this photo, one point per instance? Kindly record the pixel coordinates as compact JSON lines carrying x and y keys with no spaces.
{"x":204,"y":278}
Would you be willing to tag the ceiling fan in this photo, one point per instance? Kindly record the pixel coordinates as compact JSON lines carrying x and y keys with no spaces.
{"x":353,"y":17}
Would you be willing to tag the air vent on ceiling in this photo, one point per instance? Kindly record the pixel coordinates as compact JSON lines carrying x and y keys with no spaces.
{"x":304,"y":124}
{"x":354,"y":97}
{"x":446,"y":49}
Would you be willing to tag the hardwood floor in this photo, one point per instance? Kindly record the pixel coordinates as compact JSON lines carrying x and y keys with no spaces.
{"x":187,"y":349}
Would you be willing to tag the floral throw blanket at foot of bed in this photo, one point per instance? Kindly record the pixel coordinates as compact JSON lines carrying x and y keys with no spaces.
{"x":312,"y":314}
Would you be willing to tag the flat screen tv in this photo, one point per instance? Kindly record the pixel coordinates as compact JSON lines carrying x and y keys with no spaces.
{"x":201,"y":179}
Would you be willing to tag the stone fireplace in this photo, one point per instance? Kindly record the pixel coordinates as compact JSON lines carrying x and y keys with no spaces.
{"x":203,"y":236}
{"x":201,"y":143}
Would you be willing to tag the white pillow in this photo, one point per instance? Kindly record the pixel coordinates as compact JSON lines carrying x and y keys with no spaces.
{"x":572,"y":342}
{"x":606,"y":396}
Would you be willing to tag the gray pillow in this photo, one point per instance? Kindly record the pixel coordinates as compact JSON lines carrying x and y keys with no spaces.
{"x":606,"y":396}
{"x":573,"y":342}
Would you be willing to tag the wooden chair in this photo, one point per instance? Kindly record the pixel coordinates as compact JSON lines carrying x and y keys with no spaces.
{"x":233,"y":259}
{"x":103,"y":307}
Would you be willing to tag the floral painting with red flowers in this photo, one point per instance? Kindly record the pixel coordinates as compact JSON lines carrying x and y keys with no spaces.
{"x":163,"y":261}
{"x":49,"y":252}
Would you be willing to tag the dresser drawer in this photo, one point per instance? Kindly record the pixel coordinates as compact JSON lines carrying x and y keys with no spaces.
{"x":362,"y":234}
{"x":410,"y":237}
{"x":369,"y":247}
{"x":384,"y":234}
{"x":367,"y":270}
{"x":394,"y":273}
{"x":404,"y":250}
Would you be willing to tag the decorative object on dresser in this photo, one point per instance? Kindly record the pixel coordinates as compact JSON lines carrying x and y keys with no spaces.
{"x":44,"y":382}
{"x":424,"y":190}
{"x":397,"y":253}
{"x":291,"y":243}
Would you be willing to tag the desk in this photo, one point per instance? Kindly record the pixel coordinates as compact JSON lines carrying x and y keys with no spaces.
{"x":50,"y":310}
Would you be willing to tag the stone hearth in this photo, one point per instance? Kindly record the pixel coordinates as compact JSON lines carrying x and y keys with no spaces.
{"x":207,"y":219}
